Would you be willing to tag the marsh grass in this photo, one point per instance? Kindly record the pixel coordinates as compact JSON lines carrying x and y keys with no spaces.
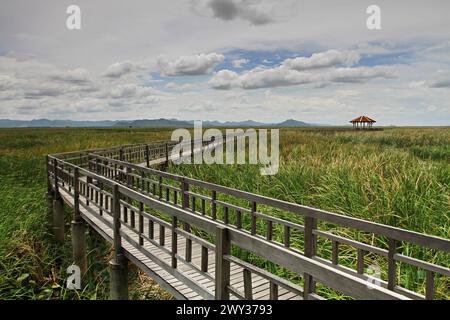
{"x":32,"y":266}
{"x":398,"y":177}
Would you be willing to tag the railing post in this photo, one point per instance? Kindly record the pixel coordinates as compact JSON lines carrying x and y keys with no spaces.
{"x":88,"y":190}
{"x":78,"y":229}
{"x":141,"y":223}
{"x":310,"y":251}
{"x":97,"y":166}
{"x":129,"y":178}
{"x":121,"y":155}
{"x":55,"y":175}
{"x":118,"y":266}
{"x":253,"y":219}
{"x":147,"y":156}
{"x":392,"y":244}
{"x":192,"y":150}
{"x":167,"y":153}
{"x":213,"y":205}
{"x":223,"y":247}
{"x":186,"y":226}
{"x":273,"y":291}
{"x":174,"y":241}
{"x":248,"y":291}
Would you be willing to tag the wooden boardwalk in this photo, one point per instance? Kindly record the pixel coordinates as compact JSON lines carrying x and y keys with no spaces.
{"x":184,"y":233}
{"x":165,"y":279}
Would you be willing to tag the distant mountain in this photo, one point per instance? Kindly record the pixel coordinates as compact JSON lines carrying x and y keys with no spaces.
{"x":45,"y":123}
{"x":143,"y":123}
{"x":294,"y":123}
{"x":154,"y":123}
{"x":169,"y":123}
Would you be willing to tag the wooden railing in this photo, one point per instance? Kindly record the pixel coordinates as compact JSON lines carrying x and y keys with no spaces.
{"x":219,"y":218}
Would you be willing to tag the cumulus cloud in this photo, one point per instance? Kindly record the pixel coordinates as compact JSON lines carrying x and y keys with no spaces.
{"x":180,"y":86}
{"x":323,"y":60}
{"x":30,"y":87}
{"x":130,"y":90}
{"x":190,"y":65}
{"x":256,"y":12}
{"x":318,"y":70}
{"x":78,"y":75}
{"x":224,"y":79}
{"x":119,"y":69}
{"x":123,"y":91}
{"x":239,"y":62}
{"x":8,"y":82}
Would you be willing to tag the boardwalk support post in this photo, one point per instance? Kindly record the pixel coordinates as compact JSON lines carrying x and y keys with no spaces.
{"x":58,"y":220}
{"x":118,"y":266}
{"x":223,"y":247}
{"x":78,"y":229}
{"x":58,"y":208}
{"x":49,"y":196}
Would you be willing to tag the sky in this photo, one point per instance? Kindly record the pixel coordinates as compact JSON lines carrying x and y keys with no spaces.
{"x":228,"y":60}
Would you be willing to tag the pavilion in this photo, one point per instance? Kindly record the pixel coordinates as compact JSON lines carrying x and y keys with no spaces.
{"x":362,"y":122}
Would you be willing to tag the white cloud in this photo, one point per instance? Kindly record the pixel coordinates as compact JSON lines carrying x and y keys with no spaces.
{"x":323,"y":60}
{"x":224,"y":79}
{"x":321,"y":69}
{"x":181,"y":86}
{"x":119,"y":69}
{"x":198,"y":64}
{"x":8,"y":82}
{"x":239,"y":62}
{"x":78,"y":75}
{"x":123,"y":91}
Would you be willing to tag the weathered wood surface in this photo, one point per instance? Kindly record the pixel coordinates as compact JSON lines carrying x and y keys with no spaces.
{"x":165,"y":279}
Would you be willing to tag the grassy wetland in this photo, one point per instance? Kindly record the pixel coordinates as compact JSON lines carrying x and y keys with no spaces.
{"x":399,"y":177}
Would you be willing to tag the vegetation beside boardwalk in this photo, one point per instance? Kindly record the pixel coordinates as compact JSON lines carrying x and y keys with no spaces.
{"x":31,"y":265}
{"x":398,"y":177}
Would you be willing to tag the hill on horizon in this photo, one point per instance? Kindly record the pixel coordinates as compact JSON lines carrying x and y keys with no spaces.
{"x":143,"y":123}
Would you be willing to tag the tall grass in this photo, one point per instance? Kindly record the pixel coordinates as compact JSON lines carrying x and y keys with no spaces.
{"x":398,"y":177}
{"x":31,"y":265}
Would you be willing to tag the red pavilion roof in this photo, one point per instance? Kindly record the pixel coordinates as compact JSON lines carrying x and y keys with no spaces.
{"x":362,"y":119}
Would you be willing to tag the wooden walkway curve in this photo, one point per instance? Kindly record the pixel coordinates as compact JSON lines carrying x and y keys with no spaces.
{"x":190,"y":235}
